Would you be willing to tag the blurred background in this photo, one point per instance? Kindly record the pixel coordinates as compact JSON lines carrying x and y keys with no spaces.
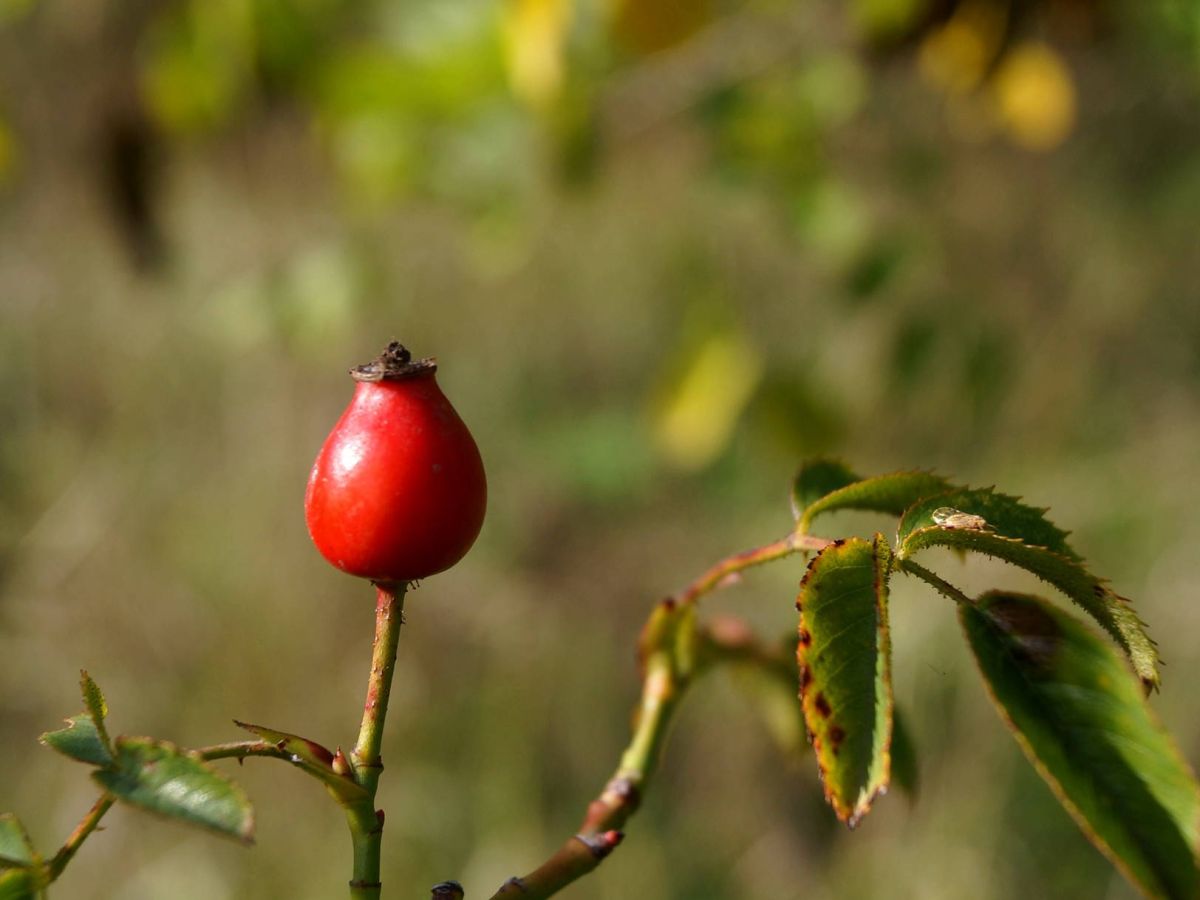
{"x":663,"y":251}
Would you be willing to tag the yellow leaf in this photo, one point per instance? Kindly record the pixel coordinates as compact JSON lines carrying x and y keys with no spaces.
{"x":1035,"y":96}
{"x":697,"y":421}
{"x":535,"y":33}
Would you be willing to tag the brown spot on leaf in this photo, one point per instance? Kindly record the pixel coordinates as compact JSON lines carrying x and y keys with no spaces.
{"x":1036,"y":637}
{"x":805,"y":637}
{"x":822,"y":706}
{"x":837,"y":734}
{"x":805,"y":678}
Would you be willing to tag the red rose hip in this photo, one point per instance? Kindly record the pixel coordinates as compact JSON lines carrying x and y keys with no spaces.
{"x":398,"y":490}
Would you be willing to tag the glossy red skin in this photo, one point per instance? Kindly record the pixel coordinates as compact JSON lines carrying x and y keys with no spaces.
{"x":398,"y":490}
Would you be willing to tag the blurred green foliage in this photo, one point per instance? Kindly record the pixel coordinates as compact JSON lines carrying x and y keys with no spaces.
{"x":663,"y":251}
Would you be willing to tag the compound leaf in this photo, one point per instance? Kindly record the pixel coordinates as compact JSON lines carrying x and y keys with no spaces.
{"x":161,"y":777}
{"x":1086,"y":728}
{"x":891,"y":494}
{"x":845,"y":671}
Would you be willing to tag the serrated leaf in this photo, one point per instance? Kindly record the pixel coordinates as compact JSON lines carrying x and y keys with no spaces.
{"x":312,"y":757}
{"x":1114,"y":613}
{"x":80,"y":740}
{"x":845,"y":671}
{"x":162,"y":778}
{"x":95,"y":704}
{"x":1084,"y":725}
{"x":891,"y":494}
{"x":1005,"y":515}
{"x":817,"y":478}
{"x":15,"y":847}
{"x":18,"y":884}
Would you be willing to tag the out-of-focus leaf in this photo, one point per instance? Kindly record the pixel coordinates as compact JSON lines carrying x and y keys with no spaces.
{"x":162,"y":778}
{"x":1049,"y":558}
{"x":15,"y":9}
{"x":892,"y":494}
{"x":312,"y":757}
{"x":1035,"y":96}
{"x":80,"y":740}
{"x":1082,"y":722}
{"x":18,"y":884}
{"x":845,"y":671}
{"x":698,"y":418}
{"x":15,"y":846}
{"x":956,"y":56}
{"x":906,"y":772}
{"x":817,"y":478}
{"x":197,"y":64}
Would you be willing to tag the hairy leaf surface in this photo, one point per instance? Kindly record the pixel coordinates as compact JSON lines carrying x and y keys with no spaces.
{"x":1114,"y":613}
{"x":891,"y":494}
{"x":1005,"y":515}
{"x":160,"y":777}
{"x":1081,"y":720}
{"x":845,"y":671}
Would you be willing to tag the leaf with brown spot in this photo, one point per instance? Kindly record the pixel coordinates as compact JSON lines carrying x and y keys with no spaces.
{"x":1080,"y":718}
{"x":845,"y":666}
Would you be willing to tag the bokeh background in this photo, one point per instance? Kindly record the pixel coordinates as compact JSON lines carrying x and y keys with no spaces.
{"x":663,"y":251}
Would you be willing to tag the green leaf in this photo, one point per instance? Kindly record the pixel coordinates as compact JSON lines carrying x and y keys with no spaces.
{"x":162,"y":778}
{"x":817,"y":478}
{"x":94,"y":702}
{"x":80,"y":740}
{"x":1004,"y":515}
{"x":1088,"y":731}
{"x":845,"y":671}
{"x":1114,"y":613}
{"x":15,"y":847}
{"x":311,"y":757}
{"x":891,"y":494}
{"x":18,"y":884}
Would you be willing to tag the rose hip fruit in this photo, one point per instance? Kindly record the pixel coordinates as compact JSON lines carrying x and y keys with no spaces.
{"x":398,"y":490}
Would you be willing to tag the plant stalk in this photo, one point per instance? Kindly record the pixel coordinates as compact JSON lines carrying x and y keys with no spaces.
{"x":366,"y":823}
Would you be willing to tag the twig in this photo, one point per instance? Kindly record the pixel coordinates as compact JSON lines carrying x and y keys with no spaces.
{"x":666,"y":676}
{"x":88,"y":824}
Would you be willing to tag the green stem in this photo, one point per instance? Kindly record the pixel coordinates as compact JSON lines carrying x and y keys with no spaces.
{"x":55,"y":867}
{"x":663,"y":684}
{"x":242,"y":749}
{"x":939,"y":584}
{"x":366,"y":824}
{"x":732,"y":565}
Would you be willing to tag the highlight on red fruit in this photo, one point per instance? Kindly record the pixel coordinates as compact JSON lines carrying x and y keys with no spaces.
{"x":398,"y":491}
